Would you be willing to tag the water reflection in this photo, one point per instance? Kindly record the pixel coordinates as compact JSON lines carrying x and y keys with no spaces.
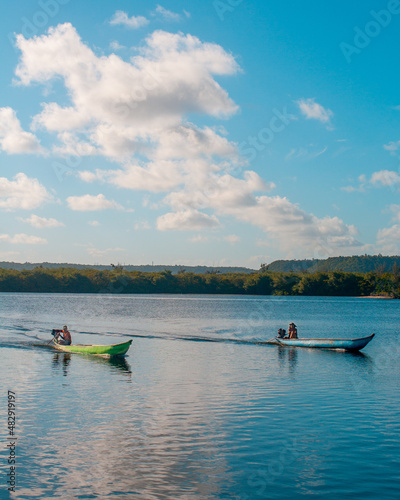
{"x":354,"y":360}
{"x":199,"y":419}
{"x":118,"y":363}
{"x":61,"y":361}
{"x":356,"y":364}
{"x":287,"y":356}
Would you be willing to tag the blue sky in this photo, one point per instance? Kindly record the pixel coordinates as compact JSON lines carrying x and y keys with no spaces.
{"x":219,"y":133}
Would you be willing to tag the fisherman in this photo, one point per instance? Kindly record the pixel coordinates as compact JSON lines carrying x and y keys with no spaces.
{"x":292,"y":331}
{"x":281,"y":333}
{"x":64,"y":335}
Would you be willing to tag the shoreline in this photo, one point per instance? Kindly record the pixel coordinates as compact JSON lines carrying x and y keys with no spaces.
{"x":375,"y":297}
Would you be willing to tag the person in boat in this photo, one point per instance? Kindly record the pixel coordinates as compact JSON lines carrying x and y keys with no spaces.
{"x":63,"y":336}
{"x":292,"y":331}
{"x":281,"y":333}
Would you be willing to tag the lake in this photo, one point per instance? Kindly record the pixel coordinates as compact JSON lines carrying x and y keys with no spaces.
{"x":199,"y":409}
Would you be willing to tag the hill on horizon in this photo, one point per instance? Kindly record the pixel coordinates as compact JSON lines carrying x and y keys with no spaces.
{"x":354,"y":264}
{"x":144,"y":268}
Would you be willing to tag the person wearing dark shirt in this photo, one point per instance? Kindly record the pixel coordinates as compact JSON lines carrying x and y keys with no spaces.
{"x":63,"y":337}
{"x":281,"y":333}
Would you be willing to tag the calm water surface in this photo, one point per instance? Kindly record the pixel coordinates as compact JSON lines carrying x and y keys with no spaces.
{"x":200,"y":409}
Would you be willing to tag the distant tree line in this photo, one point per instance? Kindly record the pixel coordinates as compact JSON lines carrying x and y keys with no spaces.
{"x":143,"y":268}
{"x":69,"y":280}
{"x":353,"y":264}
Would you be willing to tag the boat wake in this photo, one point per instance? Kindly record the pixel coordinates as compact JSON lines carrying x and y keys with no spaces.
{"x":235,"y":338}
{"x":192,"y":338}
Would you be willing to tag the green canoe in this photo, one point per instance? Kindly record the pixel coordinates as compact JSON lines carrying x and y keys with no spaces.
{"x":106,"y":351}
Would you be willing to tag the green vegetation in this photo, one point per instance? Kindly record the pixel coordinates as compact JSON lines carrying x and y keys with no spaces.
{"x":287,"y":266}
{"x":354,"y":264}
{"x":69,"y":280}
{"x":144,"y":268}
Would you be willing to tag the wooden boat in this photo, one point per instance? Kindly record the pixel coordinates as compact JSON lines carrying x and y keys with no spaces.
{"x":106,"y":351}
{"x":342,"y":344}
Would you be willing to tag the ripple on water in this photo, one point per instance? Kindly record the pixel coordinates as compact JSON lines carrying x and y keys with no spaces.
{"x":214,"y":420}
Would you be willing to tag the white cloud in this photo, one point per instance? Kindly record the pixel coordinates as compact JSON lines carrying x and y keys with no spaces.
{"x":42,"y":222}
{"x":392,"y":146}
{"x":363,"y":182}
{"x":95,"y":252}
{"x":54,"y":118}
{"x":392,"y":233}
{"x":200,"y":238}
{"x":388,"y":239}
{"x":13,"y":139}
{"x":186,"y":220}
{"x":189,"y":142}
{"x":88,"y":203}
{"x":278,"y":217}
{"x":350,"y":189}
{"x":395,"y":209}
{"x":22,"y":193}
{"x":182,"y":152}
{"x":154,"y":177}
{"x":141,"y":225}
{"x":94,"y":223}
{"x":255,"y":261}
{"x":381,"y":178}
{"x":287,"y":223}
{"x":71,"y":145}
{"x":88,"y":176}
{"x":22,"y":239}
{"x":385,"y":178}
{"x":312,"y":110}
{"x":171,"y":76}
{"x":115,"y":45}
{"x":136,"y":113}
{"x":167,"y":14}
{"x":306,"y":153}
{"x":133,"y":22}
{"x":232,"y":238}
{"x":283,"y":221}
{"x":219,"y":192}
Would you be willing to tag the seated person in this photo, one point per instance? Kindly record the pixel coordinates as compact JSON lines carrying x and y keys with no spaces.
{"x":292,"y":331}
{"x":64,"y":335}
{"x":281,"y":333}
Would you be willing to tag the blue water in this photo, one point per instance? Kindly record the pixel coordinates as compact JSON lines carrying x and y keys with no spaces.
{"x":200,"y":409}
